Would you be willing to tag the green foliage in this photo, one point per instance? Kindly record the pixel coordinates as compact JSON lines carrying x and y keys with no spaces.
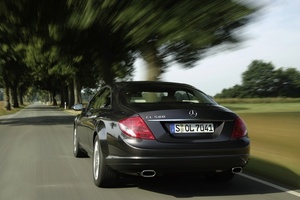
{"x":181,"y":31}
{"x":259,"y":79}
{"x":87,"y":42}
{"x":1,"y":94}
{"x":263,"y":80}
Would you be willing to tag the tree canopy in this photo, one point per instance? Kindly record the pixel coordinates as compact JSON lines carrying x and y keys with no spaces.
{"x":261,"y":79}
{"x":65,"y":46}
{"x":162,"y":32}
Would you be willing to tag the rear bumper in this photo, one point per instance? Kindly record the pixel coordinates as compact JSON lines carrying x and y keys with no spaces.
{"x":132,"y":156}
{"x":170,"y":165}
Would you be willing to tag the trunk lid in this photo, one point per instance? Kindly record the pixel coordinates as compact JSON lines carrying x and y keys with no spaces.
{"x":193,"y":124}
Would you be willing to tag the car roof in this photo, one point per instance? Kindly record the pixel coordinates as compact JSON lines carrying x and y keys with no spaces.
{"x":149,"y":83}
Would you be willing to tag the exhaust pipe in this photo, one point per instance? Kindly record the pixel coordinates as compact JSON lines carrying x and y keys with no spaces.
{"x":236,"y":170}
{"x":149,"y":173}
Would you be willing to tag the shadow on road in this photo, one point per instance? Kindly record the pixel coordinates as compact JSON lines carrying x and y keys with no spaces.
{"x":195,"y":186}
{"x":41,"y":120}
{"x":38,"y":115}
{"x":273,"y":171}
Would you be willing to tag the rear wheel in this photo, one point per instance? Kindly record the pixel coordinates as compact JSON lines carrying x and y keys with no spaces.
{"x":220,"y":176}
{"x":103,"y":175}
{"x":76,"y":148}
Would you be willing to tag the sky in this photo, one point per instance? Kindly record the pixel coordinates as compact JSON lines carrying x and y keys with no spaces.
{"x":274,"y":37}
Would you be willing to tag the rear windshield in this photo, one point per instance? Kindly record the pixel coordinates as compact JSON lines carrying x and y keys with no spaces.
{"x":163,"y":94}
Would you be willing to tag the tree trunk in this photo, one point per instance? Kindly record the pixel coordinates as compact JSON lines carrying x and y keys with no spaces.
{"x":64,"y":96}
{"x":7,"y":98}
{"x":108,"y":74}
{"x":21,"y":98}
{"x":154,"y":66}
{"x":21,"y":95}
{"x":71,"y":98}
{"x":54,"y":102}
{"x":15,"y":96}
{"x":1,"y":95}
{"x":77,"y":91}
{"x":49,"y":100}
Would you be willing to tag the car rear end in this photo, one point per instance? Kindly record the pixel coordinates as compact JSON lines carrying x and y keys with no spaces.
{"x":185,"y":137}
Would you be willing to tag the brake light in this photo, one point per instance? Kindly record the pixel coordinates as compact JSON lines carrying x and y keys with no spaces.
{"x":136,"y":127}
{"x":240,"y":129}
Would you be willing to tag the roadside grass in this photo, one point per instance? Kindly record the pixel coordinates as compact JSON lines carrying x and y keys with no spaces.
{"x":258,"y":100}
{"x":263,"y":107}
{"x":272,"y":171}
{"x":275,"y":139}
{"x":3,"y":111}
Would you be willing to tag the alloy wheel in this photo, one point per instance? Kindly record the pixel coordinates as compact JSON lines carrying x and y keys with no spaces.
{"x":96,"y":160}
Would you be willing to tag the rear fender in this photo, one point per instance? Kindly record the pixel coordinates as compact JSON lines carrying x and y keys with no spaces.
{"x":102,"y":134}
{"x":101,"y":131}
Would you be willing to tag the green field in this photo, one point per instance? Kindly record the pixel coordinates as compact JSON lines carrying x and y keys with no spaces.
{"x":274,"y":130}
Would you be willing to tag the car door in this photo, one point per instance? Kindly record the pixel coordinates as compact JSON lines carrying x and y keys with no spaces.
{"x":99,"y":105}
{"x":84,"y":125}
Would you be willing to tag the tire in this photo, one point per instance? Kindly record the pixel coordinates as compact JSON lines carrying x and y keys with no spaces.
{"x":78,"y":153}
{"x":224,"y":176}
{"x":103,"y":175}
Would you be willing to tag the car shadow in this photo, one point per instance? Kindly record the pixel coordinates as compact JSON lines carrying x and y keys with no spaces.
{"x":198,"y":186}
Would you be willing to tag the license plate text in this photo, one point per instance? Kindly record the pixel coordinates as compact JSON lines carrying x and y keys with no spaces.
{"x":192,"y":128}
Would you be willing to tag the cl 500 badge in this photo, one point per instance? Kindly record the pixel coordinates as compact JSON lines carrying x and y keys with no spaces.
{"x":156,"y":117}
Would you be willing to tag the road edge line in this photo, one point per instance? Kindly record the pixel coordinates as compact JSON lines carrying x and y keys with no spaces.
{"x":271,"y":185}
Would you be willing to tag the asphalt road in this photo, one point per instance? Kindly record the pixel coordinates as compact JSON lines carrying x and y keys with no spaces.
{"x":37,"y":163}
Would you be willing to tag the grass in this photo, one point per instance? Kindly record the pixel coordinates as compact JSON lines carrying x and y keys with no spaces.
{"x":274,"y":133}
{"x":3,"y":111}
{"x":263,"y":107}
{"x":258,"y":100}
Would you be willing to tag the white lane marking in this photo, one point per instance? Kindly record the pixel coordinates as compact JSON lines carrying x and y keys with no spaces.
{"x":271,"y":185}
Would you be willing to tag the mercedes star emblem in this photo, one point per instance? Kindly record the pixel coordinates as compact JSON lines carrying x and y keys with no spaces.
{"x":193,"y":113}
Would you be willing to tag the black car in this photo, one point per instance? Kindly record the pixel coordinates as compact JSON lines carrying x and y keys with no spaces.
{"x":151,"y":129}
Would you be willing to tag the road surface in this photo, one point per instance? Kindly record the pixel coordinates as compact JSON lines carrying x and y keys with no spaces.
{"x":37,"y":163}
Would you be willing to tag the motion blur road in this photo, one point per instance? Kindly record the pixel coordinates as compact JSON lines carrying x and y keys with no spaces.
{"x":37,"y":162}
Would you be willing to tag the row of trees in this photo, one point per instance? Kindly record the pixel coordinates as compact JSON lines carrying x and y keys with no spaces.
{"x":62,"y":46}
{"x":261,"y":79}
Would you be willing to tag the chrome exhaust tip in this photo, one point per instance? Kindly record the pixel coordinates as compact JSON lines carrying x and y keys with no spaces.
{"x":149,"y":173}
{"x":236,"y":170}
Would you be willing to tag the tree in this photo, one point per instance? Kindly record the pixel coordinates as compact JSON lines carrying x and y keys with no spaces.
{"x":68,"y":45}
{"x":14,"y":73}
{"x":259,"y":79}
{"x":168,"y":31}
{"x":106,"y":49}
{"x":289,"y":82}
{"x":18,"y":19}
{"x":262,"y":80}
{"x":180,"y":31}
{"x":39,"y":26}
{"x":236,"y":91}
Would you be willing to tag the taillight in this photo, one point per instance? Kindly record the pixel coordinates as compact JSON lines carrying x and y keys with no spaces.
{"x":136,"y":127}
{"x":240,"y":129}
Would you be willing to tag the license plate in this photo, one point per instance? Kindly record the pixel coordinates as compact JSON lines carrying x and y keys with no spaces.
{"x":192,"y":128}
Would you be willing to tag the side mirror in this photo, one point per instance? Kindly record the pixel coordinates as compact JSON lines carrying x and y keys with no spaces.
{"x":78,"y":107}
